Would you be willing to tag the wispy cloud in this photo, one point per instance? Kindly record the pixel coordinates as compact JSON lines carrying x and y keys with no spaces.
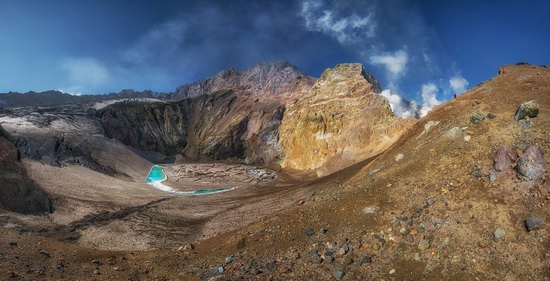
{"x":161,"y":42}
{"x":395,"y":64}
{"x":346,"y":29}
{"x":458,"y":84}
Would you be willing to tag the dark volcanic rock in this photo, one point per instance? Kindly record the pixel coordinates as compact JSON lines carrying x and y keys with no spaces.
{"x":502,"y":160}
{"x":18,"y":192}
{"x":221,"y":125}
{"x":157,"y":127}
{"x":527,"y":109}
{"x":531,"y":164}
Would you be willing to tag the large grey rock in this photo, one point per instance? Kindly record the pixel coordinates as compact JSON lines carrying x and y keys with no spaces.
{"x":477,"y":117}
{"x":527,"y":109}
{"x":531,"y":164}
{"x":503,"y":158}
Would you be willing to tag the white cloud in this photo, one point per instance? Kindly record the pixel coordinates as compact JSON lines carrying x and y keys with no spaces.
{"x":400,"y":107}
{"x":85,"y":74}
{"x":395,"y":64}
{"x":346,"y":30}
{"x":458,"y":84}
{"x":429,"y":98}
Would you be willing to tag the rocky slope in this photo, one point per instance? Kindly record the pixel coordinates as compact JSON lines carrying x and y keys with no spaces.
{"x":445,"y":202}
{"x":341,"y":120}
{"x":267,"y":80}
{"x":18,"y":193}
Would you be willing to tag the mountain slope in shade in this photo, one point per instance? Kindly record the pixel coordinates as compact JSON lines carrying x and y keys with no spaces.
{"x":18,"y":192}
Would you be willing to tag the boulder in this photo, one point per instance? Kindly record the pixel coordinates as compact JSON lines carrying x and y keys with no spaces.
{"x":531,"y":164}
{"x":532,"y":223}
{"x":527,"y":109}
{"x":503,"y":160}
{"x":477,"y":117}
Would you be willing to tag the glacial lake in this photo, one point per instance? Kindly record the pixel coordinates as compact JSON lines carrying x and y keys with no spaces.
{"x":157,"y":176}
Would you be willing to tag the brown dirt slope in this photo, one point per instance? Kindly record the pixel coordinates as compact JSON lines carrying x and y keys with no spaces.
{"x":432,"y":215}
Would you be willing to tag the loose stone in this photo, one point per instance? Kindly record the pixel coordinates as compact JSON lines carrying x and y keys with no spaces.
{"x":424,"y":245}
{"x":499,"y":233}
{"x":532,"y":223}
{"x":338,"y":274}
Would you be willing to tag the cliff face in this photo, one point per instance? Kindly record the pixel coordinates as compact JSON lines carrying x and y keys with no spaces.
{"x":230,"y":124}
{"x":233,"y":114}
{"x":225,"y":124}
{"x":158,"y":127}
{"x":18,"y":193}
{"x":341,"y":120}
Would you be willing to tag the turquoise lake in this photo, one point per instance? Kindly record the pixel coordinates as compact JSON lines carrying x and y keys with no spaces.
{"x":156,"y":174}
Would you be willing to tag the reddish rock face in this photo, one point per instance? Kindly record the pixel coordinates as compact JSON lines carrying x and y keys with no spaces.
{"x":279,"y":80}
{"x":531,"y":164}
{"x":503,"y":160}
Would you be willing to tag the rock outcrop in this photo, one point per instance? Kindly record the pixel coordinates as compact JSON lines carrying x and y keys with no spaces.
{"x":18,"y":193}
{"x":337,"y":121}
{"x":341,"y":120}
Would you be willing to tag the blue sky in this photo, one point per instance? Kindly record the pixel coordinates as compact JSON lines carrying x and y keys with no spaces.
{"x":415,"y":48}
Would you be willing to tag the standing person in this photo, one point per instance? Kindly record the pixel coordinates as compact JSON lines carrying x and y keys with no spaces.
{"x":455,"y":96}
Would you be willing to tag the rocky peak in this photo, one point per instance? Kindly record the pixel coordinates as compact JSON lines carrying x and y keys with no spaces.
{"x":265,"y":79}
{"x":340,"y":120}
{"x":347,"y":73}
